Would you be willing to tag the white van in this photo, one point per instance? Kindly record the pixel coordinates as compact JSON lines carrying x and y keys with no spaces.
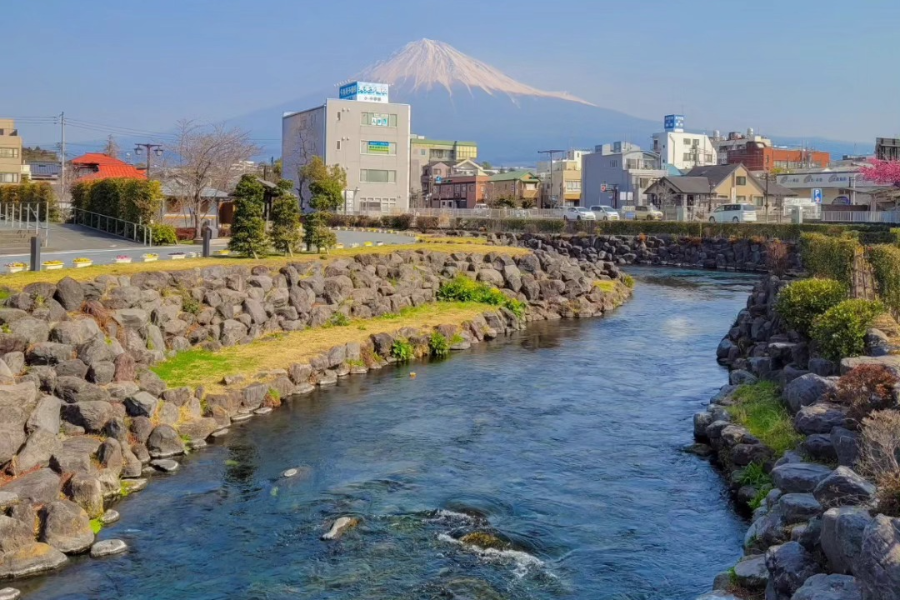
{"x":734,"y":213}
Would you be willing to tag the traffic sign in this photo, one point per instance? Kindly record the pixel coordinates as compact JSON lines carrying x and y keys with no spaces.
{"x":438,"y":179}
{"x":817,"y":195}
{"x":602,"y":187}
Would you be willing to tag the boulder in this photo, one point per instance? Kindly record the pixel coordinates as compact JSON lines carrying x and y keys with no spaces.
{"x":340,"y":526}
{"x":87,"y":492}
{"x":71,"y":368}
{"x":93,"y":416}
{"x":846,"y":446}
{"x":166,"y":465}
{"x":66,"y":527}
{"x":806,"y":390}
{"x":101,"y":373}
{"x":76,"y":455}
{"x":799,"y":477}
{"x":819,"y":418}
{"x":75,"y":389}
{"x":48,"y":353}
{"x":108,"y":548}
{"x":877,"y":567}
{"x":33,"y":331}
{"x":818,"y":447}
{"x":21,"y":395}
{"x":843,"y":487}
{"x":741,"y":377}
{"x":38,"y":449}
{"x":751,"y":572}
{"x":30,"y":560}
{"x":790,"y":565}
{"x":14,"y":534}
{"x":141,"y":404}
{"x":133,"y":318}
{"x":75,"y":332}
{"x":842,"y":536}
{"x":39,"y":487}
{"x":490,"y":276}
{"x":69,"y":293}
{"x":796,"y":508}
{"x":829,"y":587}
{"x":164,"y":441}
{"x":150,"y":381}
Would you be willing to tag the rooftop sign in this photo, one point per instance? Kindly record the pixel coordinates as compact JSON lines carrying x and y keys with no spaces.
{"x":364,"y":91}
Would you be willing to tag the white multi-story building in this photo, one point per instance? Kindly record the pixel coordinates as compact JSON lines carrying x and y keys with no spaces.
{"x":680,"y":149}
{"x":361,"y":132}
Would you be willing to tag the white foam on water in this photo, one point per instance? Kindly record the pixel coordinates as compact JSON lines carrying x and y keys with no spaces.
{"x":444,"y":514}
{"x":523,"y":561}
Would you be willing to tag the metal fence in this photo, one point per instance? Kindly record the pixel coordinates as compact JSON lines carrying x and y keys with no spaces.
{"x":31,"y":218}
{"x":114,"y":226}
{"x":841,"y":216}
{"x":484,"y":213}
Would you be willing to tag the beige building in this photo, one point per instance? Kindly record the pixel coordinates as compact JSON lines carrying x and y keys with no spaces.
{"x":11,"y":165}
{"x":517,"y":186}
{"x":424,"y":152}
{"x":369,"y":139}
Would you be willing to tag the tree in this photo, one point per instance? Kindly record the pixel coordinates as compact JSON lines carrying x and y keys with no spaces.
{"x":32,"y":192}
{"x":316,"y":233}
{"x":38,"y":154}
{"x":325,"y":184}
{"x":504,"y":202}
{"x":112,"y":148}
{"x":248,"y":231}
{"x":882,"y":172}
{"x":206,"y":158}
{"x":285,"y":215}
{"x":485,"y":165}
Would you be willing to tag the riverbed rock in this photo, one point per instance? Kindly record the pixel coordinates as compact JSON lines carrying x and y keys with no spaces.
{"x":66,"y":527}
{"x":829,"y":587}
{"x":87,"y":492}
{"x":820,"y":418}
{"x":806,"y":390}
{"x":45,"y":415}
{"x":38,"y":449}
{"x":799,"y":477}
{"x":842,"y":536}
{"x":164,"y":441}
{"x":108,"y":548}
{"x":790,"y":565}
{"x":339,"y":527}
{"x":39,"y":487}
{"x":751,"y":572}
{"x":30,"y":560}
{"x":141,"y":404}
{"x":843,"y":487}
{"x":9,"y":593}
{"x":877,"y":567}
{"x":741,"y":377}
{"x":846,"y":446}
{"x":166,"y":465}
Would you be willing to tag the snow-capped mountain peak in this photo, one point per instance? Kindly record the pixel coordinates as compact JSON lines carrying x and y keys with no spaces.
{"x":426,"y":64}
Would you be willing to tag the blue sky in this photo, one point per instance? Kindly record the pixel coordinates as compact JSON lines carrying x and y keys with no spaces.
{"x":788,"y":67}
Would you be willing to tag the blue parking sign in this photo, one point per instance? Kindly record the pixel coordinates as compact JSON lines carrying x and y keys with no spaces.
{"x":817,"y":195}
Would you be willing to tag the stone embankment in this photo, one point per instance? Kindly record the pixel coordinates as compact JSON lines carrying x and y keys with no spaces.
{"x":85,"y":421}
{"x":816,"y":534}
{"x":660,"y":250}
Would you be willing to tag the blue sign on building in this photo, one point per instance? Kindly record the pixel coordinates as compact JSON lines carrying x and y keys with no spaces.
{"x":817,"y":195}
{"x":673,"y":122}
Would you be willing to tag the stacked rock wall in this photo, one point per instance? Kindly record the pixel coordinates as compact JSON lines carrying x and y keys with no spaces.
{"x":83,"y":418}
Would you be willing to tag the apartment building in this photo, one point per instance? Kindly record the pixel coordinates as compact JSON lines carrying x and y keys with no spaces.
{"x":11,"y":164}
{"x":365,"y":134}
{"x":619,"y":174}
{"x":561,"y":179}
{"x":681,"y":149}
{"x":460,"y":191}
{"x":518,"y":186}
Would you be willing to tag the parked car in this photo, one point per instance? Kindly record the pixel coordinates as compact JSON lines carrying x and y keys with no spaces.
{"x":578,"y":213}
{"x":481,"y":208}
{"x":734,"y":213}
{"x":647,"y":213}
{"x":605,"y":213}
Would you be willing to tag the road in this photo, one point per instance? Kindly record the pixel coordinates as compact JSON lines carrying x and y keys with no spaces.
{"x":67,"y":243}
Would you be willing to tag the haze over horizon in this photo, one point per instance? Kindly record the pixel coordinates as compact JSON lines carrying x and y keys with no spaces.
{"x":786,"y":69}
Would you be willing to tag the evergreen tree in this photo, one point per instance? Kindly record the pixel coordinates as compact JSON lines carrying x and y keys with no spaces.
{"x":248,"y":232}
{"x":285,"y":219}
{"x":316,"y":233}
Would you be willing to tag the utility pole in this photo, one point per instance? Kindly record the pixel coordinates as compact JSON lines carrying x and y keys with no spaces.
{"x":62,"y":156}
{"x":155,"y":148}
{"x":550,"y":153}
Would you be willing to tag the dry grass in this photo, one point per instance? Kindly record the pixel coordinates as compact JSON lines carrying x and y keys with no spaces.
{"x":201,"y":367}
{"x":480,"y":241}
{"x":20,"y":280}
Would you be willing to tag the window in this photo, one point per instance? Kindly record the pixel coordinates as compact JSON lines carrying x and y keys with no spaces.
{"x":573,"y":186}
{"x":688,"y":156}
{"x":378,"y":148}
{"x":741,"y":199}
{"x":9,"y":178}
{"x":741,"y":180}
{"x":696,"y":143}
{"x":377,"y":176}
{"x":687,"y":142}
{"x":370,"y":204}
{"x":379,"y":119}
{"x":758,"y":200}
{"x":339,"y":144}
{"x":614,"y":163}
{"x":9,"y":153}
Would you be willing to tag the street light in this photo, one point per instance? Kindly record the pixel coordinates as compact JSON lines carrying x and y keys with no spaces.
{"x":154,"y":148}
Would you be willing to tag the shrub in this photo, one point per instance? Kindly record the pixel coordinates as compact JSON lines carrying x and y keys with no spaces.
{"x":867,"y":388}
{"x":885,"y":261}
{"x":463,"y":289}
{"x":879,"y":448}
{"x":338,"y":319}
{"x":840,"y":331}
{"x":188,"y":303}
{"x":755,"y":474}
{"x":398,"y":221}
{"x":778,"y":257}
{"x":758,"y":408}
{"x":425,"y":223}
{"x":402,"y":350}
{"x":828,"y":256}
{"x":438,"y":345}
{"x":628,"y":280}
{"x":163,"y":235}
{"x":184,"y":233}
{"x":802,"y":301}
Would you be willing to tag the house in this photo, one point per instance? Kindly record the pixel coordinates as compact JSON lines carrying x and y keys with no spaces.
{"x":11,"y":165}
{"x":619,"y":174}
{"x":518,"y":186}
{"x":437,"y":171}
{"x":680,"y":192}
{"x":94,"y":166}
{"x":460,"y":191}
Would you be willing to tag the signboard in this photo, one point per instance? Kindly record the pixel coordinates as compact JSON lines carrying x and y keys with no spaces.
{"x":602,"y":187}
{"x":817,"y":195}
{"x":378,"y":147}
{"x":379,"y":119}
{"x":825,"y":179}
{"x":438,"y":179}
{"x":673,"y":122}
{"x":363,"y":91}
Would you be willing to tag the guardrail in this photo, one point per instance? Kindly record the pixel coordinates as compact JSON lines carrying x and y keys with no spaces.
{"x":840,"y":216}
{"x":27,"y":217}
{"x":114,"y":226}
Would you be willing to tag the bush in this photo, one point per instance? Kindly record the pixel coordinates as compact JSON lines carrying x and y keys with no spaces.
{"x":885,"y":261}
{"x":802,"y":301}
{"x":185,"y":233}
{"x":400,"y":222}
{"x":463,"y":289}
{"x":755,"y":475}
{"x":628,"y":280}
{"x":867,"y":388}
{"x":402,"y":350}
{"x":438,"y":345}
{"x":840,"y":331}
{"x":338,"y":319}
{"x":425,"y":223}
{"x":758,"y":407}
{"x":778,"y":257}
{"x":879,"y":449}
{"x":829,"y":257}
{"x":163,"y":235}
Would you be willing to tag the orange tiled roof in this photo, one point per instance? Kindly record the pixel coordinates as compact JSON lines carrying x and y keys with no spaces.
{"x":106,"y":167}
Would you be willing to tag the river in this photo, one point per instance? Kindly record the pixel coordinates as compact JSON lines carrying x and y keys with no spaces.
{"x":564,"y":439}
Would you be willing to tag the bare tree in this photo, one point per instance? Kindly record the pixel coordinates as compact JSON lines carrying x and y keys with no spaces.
{"x":112,"y":147}
{"x":208,"y":156}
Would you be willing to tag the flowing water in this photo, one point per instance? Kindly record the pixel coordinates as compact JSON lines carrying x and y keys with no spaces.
{"x":563,"y":440}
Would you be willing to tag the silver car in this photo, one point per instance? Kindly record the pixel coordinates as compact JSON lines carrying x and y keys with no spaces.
{"x":578,"y":213}
{"x":605,"y":213}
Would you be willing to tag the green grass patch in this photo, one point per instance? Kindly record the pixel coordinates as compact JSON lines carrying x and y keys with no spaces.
{"x":96,"y":526}
{"x":185,"y":365}
{"x":758,"y":408}
{"x":463,"y":289}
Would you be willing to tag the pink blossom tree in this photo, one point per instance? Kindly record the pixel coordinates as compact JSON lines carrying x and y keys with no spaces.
{"x":882,"y":172}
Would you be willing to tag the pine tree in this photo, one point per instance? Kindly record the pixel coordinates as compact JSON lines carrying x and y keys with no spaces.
{"x":248,"y":232}
{"x":285,"y":220}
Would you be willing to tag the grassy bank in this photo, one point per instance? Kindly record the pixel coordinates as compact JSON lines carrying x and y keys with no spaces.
{"x":758,"y":408}
{"x":20,"y":280}
{"x":278,"y":351}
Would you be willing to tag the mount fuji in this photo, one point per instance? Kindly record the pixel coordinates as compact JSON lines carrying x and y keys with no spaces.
{"x":455,"y":96}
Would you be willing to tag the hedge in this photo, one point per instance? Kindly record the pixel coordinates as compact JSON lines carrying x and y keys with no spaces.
{"x":829,"y":257}
{"x":840,"y":331}
{"x":802,"y":301}
{"x":885,"y":261}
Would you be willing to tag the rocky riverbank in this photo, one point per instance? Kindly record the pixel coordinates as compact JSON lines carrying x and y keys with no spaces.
{"x":816,"y":531}
{"x":739,"y":254}
{"x":85,"y":420}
